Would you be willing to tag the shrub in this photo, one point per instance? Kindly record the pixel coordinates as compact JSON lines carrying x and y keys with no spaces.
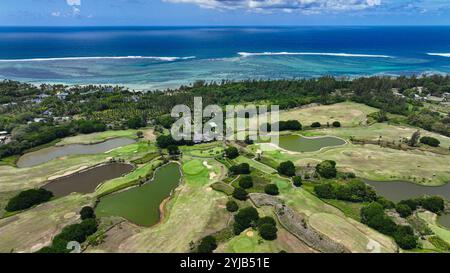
{"x":271,"y":189}
{"x":207,"y":245}
{"x":286,"y":168}
{"x":136,"y":122}
{"x":173,"y":150}
{"x":405,"y":238}
{"x":336,"y":124}
{"x":242,"y":168}
{"x":27,"y":199}
{"x":246,"y":182}
{"x":403,"y":210}
{"x":316,"y":125}
{"x":327,"y":169}
{"x":325,"y":191}
{"x":297,"y":181}
{"x":266,"y":220}
{"x":268,"y":232}
{"x":245,"y":218}
{"x":231,"y":152}
{"x":434,"y":204}
{"x":290,"y":125}
{"x":232,"y":206}
{"x":240,"y":194}
{"x":87,"y":213}
{"x":431,"y":141}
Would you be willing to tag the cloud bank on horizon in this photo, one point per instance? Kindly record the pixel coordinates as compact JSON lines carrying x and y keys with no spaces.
{"x":306,"y":6}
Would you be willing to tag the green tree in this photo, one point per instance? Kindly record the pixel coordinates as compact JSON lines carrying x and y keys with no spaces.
{"x":286,"y":168}
{"x":87,"y":213}
{"x":327,"y":169}
{"x":297,"y":181}
{"x":316,"y":125}
{"x":232,"y":206}
{"x":231,"y":152}
{"x":336,"y":124}
{"x":246,"y":182}
{"x":403,"y":210}
{"x":207,"y":245}
{"x":431,"y":141}
{"x":27,"y":199}
{"x":268,"y":232}
{"x":245,"y":218}
{"x":271,"y":189}
{"x":240,"y":194}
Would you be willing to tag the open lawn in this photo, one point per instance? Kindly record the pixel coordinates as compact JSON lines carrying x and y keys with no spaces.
{"x":380,"y":164}
{"x":33,"y":229}
{"x":349,"y":114}
{"x":98,"y":137}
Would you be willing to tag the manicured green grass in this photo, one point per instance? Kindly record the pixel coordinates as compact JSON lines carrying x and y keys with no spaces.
{"x":98,"y":137}
{"x":193,"y":167}
{"x":441,"y":232}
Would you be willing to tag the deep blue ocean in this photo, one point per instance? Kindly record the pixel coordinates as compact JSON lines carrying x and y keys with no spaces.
{"x":161,"y":57}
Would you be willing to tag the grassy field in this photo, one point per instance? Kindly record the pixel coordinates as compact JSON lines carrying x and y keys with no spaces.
{"x":102,"y":136}
{"x":375,"y":163}
{"x":431,"y":220}
{"x":31,"y":230}
{"x":350,"y":114}
{"x":254,"y":164}
{"x":188,"y":214}
{"x":14,"y":179}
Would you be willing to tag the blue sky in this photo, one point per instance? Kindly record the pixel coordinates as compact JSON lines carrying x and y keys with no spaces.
{"x":223,"y":12}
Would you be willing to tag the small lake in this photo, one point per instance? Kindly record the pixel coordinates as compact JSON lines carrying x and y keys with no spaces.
{"x":400,"y":190}
{"x":50,"y":153}
{"x":140,"y":205}
{"x":444,"y":220}
{"x":88,"y":180}
{"x":297,"y":143}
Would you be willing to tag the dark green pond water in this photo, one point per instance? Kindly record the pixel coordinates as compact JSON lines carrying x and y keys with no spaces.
{"x":88,"y":180}
{"x":297,"y":143}
{"x":140,"y":205}
{"x":50,"y":153}
{"x":399,"y":190}
{"x":444,"y":220}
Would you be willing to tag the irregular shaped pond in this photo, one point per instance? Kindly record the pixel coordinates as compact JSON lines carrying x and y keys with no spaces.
{"x":50,"y":153}
{"x":140,"y":205}
{"x":399,"y":190}
{"x":444,"y":220}
{"x":87,"y":181}
{"x":297,"y":143}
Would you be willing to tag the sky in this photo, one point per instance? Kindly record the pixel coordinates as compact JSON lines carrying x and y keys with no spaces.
{"x":222,"y":12}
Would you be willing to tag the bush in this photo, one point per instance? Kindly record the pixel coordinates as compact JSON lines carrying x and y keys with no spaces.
{"x":268,"y":232}
{"x":242,"y":168}
{"x":240,"y":194}
{"x":405,"y":238}
{"x":232,"y":206}
{"x":316,"y":125}
{"x":434,"y":204}
{"x":327,"y":169}
{"x":207,"y":245}
{"x":290,"y":125}
{"x":136,"y":122}
{"x":246,"y":182}
{"x":431,"y":141}
{"x":271,"y":189}
{"x":27,"y":199}
{"x":173,"y":150}
{"x":231,"y":152}
{"x":286,"y":168}
{"x":325,"y":191}
{"x":87,"y":213}
{"x":297,"y":181}
{"x":336,"y":124}
{"x":403,"y":210}
{"x":266,"y":220}
{"x":245,"y":218}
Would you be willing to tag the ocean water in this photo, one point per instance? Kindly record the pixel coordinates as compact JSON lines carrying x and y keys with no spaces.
{"x":163,"y":57}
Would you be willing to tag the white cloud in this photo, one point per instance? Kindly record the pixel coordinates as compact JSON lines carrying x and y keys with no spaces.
{"x":73,"y":2}
{"x":307,"y":6}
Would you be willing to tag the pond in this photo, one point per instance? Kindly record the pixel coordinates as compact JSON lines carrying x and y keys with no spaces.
{"x":47,"y":154}
{"x":400,"y":190}
{"x":140,"y":205}
{"x":444,"y":220}
{"x":87,"y":181}
{"x":297,"y":143}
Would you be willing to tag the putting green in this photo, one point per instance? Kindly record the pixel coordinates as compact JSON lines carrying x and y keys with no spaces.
{"x":193,"y":167}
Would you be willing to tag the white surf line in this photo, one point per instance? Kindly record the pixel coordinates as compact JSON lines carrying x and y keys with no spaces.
{"x":249,"y":54}
{"x":167,"y":59}
{"x":440,"y":54}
